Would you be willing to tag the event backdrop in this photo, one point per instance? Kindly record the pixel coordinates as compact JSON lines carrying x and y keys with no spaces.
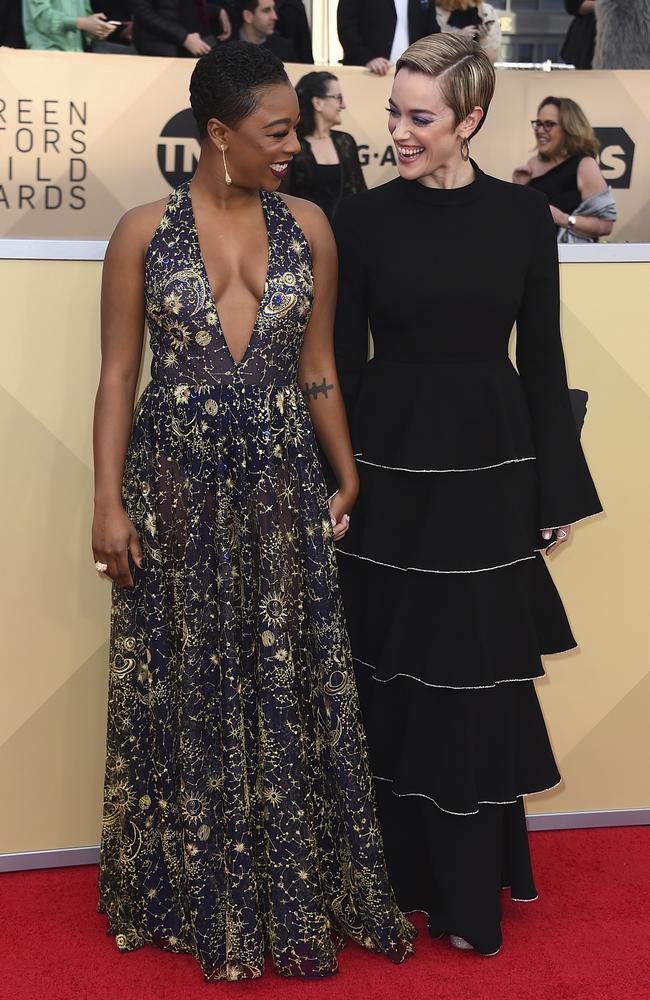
{"x":55,"y":608}
{"x":85,"y":137}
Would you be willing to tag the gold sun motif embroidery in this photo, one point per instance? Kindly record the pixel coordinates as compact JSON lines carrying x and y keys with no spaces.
{"x":235,"y":751}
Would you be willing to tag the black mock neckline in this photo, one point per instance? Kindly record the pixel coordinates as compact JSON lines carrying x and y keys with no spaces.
{"x":447,"y":196}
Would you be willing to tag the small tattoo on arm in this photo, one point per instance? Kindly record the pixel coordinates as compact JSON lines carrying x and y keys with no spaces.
{"x":314,"y":390}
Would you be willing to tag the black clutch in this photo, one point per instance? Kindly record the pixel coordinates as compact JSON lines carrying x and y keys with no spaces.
{"x":579,"y":399}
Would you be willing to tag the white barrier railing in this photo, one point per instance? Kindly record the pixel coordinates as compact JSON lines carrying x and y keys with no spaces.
{"x":547,"y":66}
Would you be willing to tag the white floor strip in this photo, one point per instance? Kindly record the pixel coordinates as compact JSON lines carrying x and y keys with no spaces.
{"x":66,"y":857}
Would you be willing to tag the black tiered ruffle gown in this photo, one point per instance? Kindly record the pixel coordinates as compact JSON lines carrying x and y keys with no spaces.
{"x":463,"y":460}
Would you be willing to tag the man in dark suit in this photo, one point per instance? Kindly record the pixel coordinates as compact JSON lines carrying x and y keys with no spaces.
{"x":374,"y":33}
{"x":293,"y":24}
{"x":258,"y":19}
{"x":177,"y":27}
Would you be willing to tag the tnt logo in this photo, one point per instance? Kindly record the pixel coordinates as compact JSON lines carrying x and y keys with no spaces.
{"x":616,"y":156}
{"x":178,"y":148}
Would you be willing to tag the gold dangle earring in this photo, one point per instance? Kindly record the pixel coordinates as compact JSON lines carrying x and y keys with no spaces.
{"x":227,"y":177}
{"x":464,"y":149}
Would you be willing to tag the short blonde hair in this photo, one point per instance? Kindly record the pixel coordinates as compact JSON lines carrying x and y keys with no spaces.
{"x":460,"y":65}
{"x":579,"y":137}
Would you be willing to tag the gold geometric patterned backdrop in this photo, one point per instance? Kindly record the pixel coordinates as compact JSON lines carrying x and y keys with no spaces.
{"x":55,"y":609}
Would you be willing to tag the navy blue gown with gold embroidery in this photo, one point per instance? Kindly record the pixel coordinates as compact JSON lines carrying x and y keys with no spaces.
{"x":239,"y":816}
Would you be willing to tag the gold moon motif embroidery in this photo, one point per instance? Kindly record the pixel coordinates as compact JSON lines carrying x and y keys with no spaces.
{"x":192,"y":283}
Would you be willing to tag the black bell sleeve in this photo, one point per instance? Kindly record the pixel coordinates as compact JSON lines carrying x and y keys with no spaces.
{"x":567,"y":493}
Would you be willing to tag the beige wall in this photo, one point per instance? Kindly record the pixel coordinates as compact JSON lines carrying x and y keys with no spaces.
{"x":107,"y":114}
{"x":596,"y":700}
{"x":55,"y":608}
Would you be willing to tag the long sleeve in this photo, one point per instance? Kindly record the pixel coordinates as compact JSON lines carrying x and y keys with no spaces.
{"x":351,"y":325}
{"x":353,"y":180}
{"x":293,"y":24}
{"x":429,"y":24}
{"x":356,"y":171}
{"x":51,"y":22}
{"x":355,"y":49}
{"x":144,"y":12}
{"x":567,"y":493}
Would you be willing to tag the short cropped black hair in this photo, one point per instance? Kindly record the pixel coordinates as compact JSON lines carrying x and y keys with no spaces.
{"x":225,"y":82}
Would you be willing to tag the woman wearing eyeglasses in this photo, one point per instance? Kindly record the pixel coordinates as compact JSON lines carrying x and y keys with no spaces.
{"x":565,"y":169}
{"x":327,"y":168}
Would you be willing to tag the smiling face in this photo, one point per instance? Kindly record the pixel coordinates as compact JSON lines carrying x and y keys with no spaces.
{"x":423,"y":126}
{"x":260,"y":147}
{"x":330,"y":106}
{"x":549,"y":139}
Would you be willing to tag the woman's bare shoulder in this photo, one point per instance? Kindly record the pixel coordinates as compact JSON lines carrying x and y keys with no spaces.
{"x":588,"y":167}
{"x":311,"y":219}
{"x":137,"y":226}
{"x":537,"y":166}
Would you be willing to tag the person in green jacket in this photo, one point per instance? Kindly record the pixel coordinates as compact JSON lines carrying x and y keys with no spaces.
{"x":61,"y":24}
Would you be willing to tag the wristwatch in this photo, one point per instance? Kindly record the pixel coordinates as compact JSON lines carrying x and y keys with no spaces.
{"x":571,"y":221}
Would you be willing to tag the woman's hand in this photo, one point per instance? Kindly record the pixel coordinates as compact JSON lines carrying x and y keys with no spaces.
{"x":340,"y":505}
{"x":521,"y":175}
{"x":95,"y":25}
{"x":114,"y":536}
{"x":195,"y":44}
{"x":562,"y":535}
{"x":475,"y":31}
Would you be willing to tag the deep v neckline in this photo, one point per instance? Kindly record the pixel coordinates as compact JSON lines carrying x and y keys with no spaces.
{"x":210,"y":290}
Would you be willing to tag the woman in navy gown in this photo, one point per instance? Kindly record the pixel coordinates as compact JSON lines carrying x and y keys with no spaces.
{"x":238,"y":809}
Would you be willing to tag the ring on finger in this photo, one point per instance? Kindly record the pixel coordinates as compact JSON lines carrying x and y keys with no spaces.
{"x":101,"y":567}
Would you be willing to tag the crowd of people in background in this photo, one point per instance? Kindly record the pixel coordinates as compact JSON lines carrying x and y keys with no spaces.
{"x":156,"y":27}
{"x":608,"y":34}
{"x":373,"y":34}
{"x":604,"y":34}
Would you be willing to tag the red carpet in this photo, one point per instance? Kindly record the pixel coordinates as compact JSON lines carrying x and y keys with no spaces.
{"x":587,"y":938}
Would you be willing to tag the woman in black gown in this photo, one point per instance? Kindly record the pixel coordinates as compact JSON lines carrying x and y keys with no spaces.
{"x":326,"y":169}
{"x":468,"y":469}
